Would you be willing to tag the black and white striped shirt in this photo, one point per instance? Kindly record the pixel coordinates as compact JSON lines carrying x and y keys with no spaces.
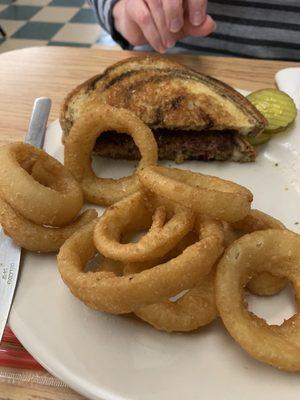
{"x":267,"y":29}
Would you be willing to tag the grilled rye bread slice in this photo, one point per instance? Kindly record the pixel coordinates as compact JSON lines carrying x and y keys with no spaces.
{"x":168,"y":97}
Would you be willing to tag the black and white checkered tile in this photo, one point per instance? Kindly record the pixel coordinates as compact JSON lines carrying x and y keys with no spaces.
{"x":30,"y":23}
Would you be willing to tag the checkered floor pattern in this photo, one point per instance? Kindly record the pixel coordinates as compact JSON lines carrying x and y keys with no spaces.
{"x":30,"y":23}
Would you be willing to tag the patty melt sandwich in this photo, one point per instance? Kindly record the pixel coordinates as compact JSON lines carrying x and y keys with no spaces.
{"x":193,"y":116}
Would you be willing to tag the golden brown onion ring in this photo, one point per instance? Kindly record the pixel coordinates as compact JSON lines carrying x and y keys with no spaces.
{"x":138,"y":209}
{"x":100,"y":263}
{"x":81,"y":141}
{"x":106,"y":292}
{"x":265,"y":284}
{"x":195,"y":308}
{"x":204,"y":194}
{"x":257,"y":221}
{"x":35,"y":237}
{"x":34,"y":201}
{"x":109,"y":265}
{"x":276,"y":252}
{"x":230,"y":235}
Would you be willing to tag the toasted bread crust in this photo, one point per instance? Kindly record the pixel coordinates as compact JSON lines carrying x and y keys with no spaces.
{"x":65,"y":124}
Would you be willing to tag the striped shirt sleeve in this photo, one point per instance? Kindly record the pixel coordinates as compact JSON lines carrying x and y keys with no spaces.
{"x":267,"y":29}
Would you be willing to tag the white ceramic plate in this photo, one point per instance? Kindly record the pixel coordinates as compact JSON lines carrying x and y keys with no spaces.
{"x":288,"y":80}
{"x":112,"y":357}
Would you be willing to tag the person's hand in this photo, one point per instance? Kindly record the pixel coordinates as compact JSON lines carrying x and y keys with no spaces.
{"x":161,"y":22}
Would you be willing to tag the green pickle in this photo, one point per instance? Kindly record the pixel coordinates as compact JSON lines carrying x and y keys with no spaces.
{"x":277,"y":107}
{"x":260,"y":139}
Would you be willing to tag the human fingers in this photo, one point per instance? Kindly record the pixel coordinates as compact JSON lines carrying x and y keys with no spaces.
{"x":157,"y":11}
{"x":174,"y":14}
{"x":197,"y":11}
{"x":205,"y":29}
{"x":124,"y":24}
{"x":142,"y":16}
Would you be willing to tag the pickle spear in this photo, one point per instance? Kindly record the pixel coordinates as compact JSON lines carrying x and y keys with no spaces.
{"x":276,"y":106}
{"x":260,"y":139}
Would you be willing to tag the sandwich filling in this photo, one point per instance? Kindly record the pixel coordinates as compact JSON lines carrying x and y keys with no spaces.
{"x":180,"y":145}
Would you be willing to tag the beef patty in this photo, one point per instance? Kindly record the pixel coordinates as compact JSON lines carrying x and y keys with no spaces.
{"x":179,"y":145}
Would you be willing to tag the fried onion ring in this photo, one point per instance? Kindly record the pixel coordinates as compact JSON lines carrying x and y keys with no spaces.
{"x":276,"y":252}
{"x":265,"y":284}
{"x":109,"y":265}
{"x":105,"y":291}
{"x":204,"y":194}
{"x":81,"y":141}
{"x":230,"y":235}
{"x":159,"y":240}
{"x":35,"y":237}
{"x":195,"y":308}
{"x":257,"y":221}
{"x":34,"y":201}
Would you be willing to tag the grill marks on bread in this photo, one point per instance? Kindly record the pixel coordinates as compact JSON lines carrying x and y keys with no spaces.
{"x":136,"y":84}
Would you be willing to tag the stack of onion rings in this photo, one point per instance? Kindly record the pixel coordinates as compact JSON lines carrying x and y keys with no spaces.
{"x":189,"y":219}
{"x":34,"y":201}
{"x":165,"y":262}
{"x":105,"y":291}
{"x":27,"y":204}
